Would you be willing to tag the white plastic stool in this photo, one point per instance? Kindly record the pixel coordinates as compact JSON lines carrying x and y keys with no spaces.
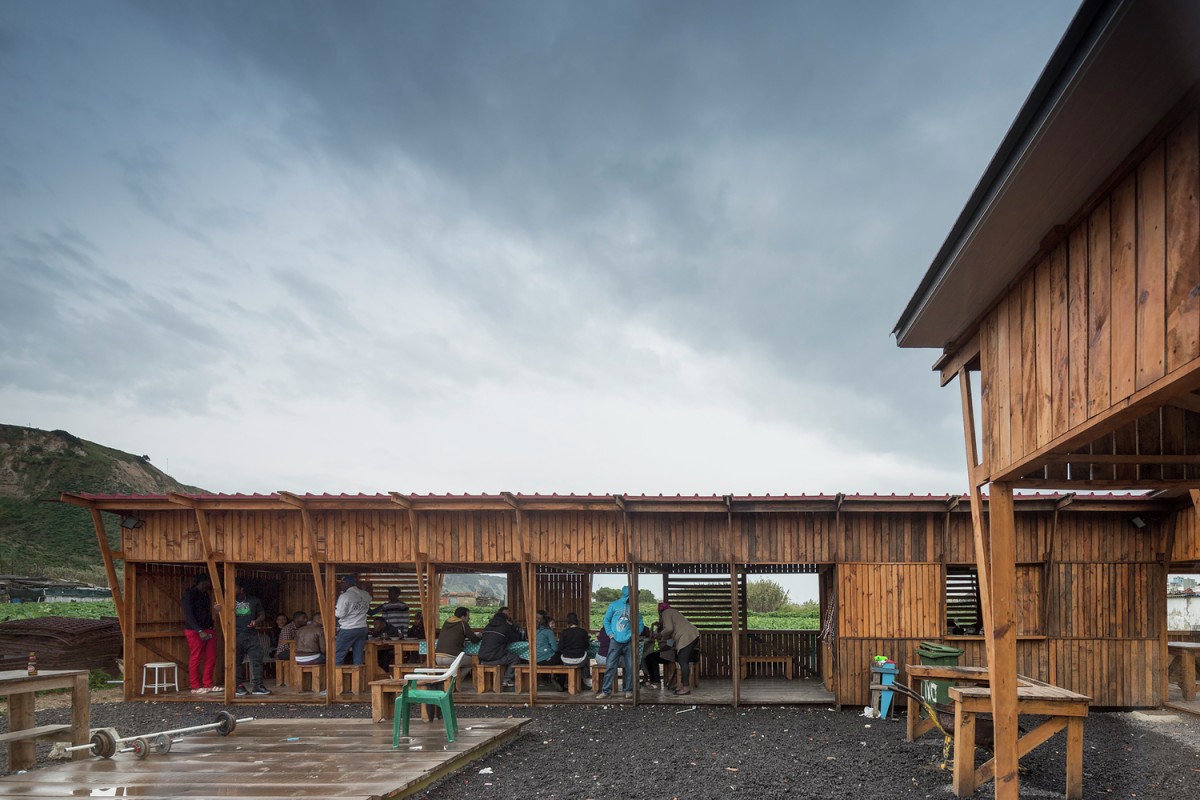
{"x":161,"y":675}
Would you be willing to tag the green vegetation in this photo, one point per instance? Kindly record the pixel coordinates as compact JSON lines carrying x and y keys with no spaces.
{"x":792,"y":617}
{"x":765,"y":596}
{"x":85,"y":610}
{"x":39,"y":537}
{"x":606,"y":594}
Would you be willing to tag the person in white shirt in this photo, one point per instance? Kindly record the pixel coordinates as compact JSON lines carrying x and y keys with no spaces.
{"x":351,"y":613}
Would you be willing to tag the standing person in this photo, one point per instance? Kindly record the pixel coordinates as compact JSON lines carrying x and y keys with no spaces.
{"x":620,"y":648}
{"x":394,"y":612}
{"x":678,"y":631}
{"x":248,"y":615}
{"x":198,"y":607}
{"x":351,"y":613}
{"x":495,"y":639}
{"x":456,"y":631}
{"x":573,"y":646}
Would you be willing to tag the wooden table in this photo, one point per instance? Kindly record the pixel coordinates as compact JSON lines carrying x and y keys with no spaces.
{"x":1065,"y":709}
{"x":19,"y":687}
{"x":1186,"y":653}
{"x":399,"y":648}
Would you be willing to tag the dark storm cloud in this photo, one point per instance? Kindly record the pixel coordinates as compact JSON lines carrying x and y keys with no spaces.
{"x":67,"y":326}
{"x":750,"y":176}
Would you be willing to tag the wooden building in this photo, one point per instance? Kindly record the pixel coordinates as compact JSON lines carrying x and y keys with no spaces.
{"x":892,"y":570}
{"x":1071,"y":284}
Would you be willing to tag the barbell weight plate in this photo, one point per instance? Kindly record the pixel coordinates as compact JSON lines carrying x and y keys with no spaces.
{"x":161,"y":744}
{"x":225,"y":723}
{"x":141,"y":747}
{"x":104,"y":743}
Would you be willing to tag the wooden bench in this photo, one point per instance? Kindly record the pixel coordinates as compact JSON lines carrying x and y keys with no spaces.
{"x":598,"y":678}
{"x":1185,"y":652}
{"x":313,"y":671}
{"x":789,"y":664}
{"x":573,"y":674}
{"x":354,"y":672}
{"x":483,"y":674}
{"x":671,"y":673}
{"x":383,"y":699}
{"x":33,"y":734}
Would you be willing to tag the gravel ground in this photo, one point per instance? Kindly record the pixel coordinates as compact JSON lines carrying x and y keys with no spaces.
{"x":716,"y":752}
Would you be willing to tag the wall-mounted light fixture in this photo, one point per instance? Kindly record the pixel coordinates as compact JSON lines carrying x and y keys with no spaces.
{"x":1138,"y":522}
{"x":130,"y":521}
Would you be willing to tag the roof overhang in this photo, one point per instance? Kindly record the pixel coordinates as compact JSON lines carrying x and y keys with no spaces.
{"x":1120,"y":68}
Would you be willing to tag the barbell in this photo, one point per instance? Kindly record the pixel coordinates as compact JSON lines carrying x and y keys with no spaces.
{"x":106,"y":742}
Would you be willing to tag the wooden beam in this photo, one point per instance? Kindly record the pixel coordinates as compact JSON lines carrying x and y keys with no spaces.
{"x":110,"y":568}
{"x":959,"y":358}
{"x":619,"y":499}
{"x":229,"y":651}
{"x":1107,"y":458}
{"x":1002,"y":639}
{"x":1161,"y":392}
{"x":314,"y":557}
{"x":1188,"y":402}
{"x":225,"y":620}
{"x":531,"y":600}
{"x":511,"y":499}
{"x":1063,"y":502}
{"x":978,"y":530}
{"x":401,"y":500}
{"x":635,"y":614}
{"x":1130,"y":485}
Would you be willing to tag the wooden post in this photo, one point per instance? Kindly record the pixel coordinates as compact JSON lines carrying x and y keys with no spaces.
{"x":964,"y":752}
{"x":531,"y":601}
{"x":430,"y":611}
{"x":635,"y":633}
{"x":1002,"y":639}
{"x":110,"y":568}
{"x":81,"y":712}
{"x":229,"y":601}
{"x":330,"y":631}
{"x":736,"y":633}
{"x":129,"y":632}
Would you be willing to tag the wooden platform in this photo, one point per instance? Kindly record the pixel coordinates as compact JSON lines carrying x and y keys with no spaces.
{"x":712,"y":691}
{"x":330,"y":758}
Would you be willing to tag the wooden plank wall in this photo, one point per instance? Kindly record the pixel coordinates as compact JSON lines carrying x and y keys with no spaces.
{"x":560,"y":593}
{"x":1090,"y":582}
{"x":1112,"y":308}
{"x":1186,"y":543}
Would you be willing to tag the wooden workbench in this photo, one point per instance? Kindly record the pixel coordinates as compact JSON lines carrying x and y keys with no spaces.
{"x":1186,"y":653}
{"x":1065,"y":709}
{"x":20,"y":688}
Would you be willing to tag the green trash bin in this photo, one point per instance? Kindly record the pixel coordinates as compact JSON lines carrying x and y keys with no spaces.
{"x":934,"y":654}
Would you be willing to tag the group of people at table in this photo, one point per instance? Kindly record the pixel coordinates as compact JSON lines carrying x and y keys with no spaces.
{"x":500,"y":643}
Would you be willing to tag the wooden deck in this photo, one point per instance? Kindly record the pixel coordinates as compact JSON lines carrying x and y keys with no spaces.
{"x":330,"y":758}
{"x":712,"y":691}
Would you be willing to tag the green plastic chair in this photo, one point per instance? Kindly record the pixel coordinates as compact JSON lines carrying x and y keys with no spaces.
{"x":442,"y":698}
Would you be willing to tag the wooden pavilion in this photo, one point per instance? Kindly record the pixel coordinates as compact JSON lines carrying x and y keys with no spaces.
{"x":893,"y":571}
{"x":1071,"y":283}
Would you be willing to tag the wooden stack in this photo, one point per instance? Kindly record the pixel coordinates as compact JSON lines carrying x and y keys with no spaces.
{"x":63,"y":642}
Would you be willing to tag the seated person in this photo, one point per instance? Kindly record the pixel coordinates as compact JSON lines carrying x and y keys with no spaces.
{"x":380,"y":630}
{"x":499,"y":633}
{"x":602,"y":640}
{"x":287,"y":633}
{"x":455,"y":632}
{"x":310,"y":642}
{"x":573,"y":646}
{"x":654,"y":659}
{"x":547,"y":647}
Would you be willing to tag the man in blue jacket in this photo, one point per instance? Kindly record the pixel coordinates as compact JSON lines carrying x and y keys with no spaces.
{"x":620,"y":650}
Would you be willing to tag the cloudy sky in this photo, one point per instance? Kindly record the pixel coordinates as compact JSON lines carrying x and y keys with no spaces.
{"x":455,"y":246}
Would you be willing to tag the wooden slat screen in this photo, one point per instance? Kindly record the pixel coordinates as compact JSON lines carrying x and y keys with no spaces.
{"x":705,"y":600}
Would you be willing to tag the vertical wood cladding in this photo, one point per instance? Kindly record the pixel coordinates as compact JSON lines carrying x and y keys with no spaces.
{"x":1111,"y":309}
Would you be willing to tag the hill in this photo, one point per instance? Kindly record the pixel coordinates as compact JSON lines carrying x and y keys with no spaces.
{"x":49,"y":538}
